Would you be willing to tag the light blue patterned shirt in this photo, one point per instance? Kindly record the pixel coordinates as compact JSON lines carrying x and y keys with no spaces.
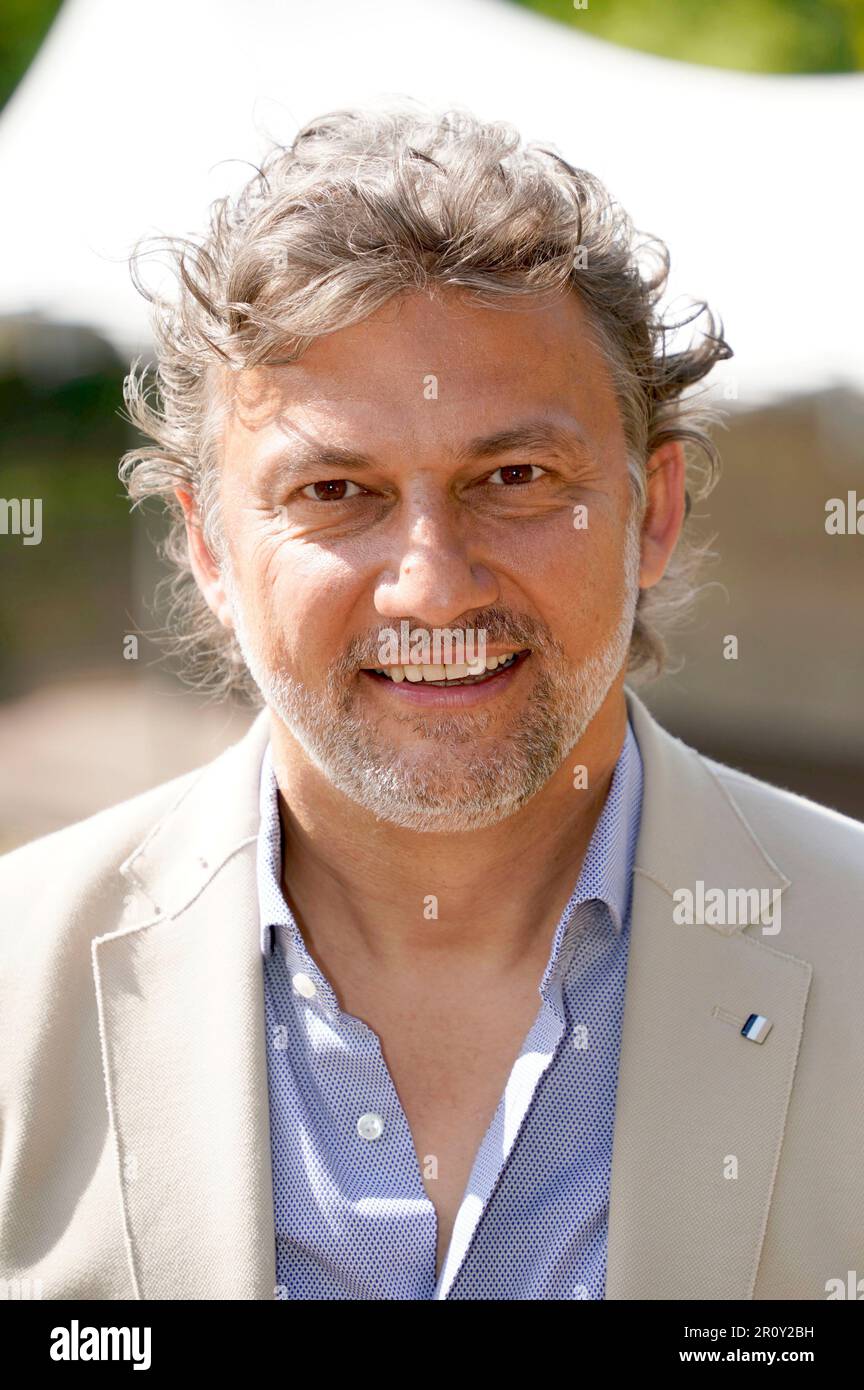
{"x":352,"y":1217}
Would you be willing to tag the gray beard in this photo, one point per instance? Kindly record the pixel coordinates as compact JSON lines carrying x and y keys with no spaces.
{"x":449,"y":780}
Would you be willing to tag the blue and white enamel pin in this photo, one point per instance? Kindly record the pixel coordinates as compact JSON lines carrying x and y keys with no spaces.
{"x":756,"y":1028}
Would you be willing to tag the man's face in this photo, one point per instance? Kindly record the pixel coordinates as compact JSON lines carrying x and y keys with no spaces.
{"x":427,"y":465}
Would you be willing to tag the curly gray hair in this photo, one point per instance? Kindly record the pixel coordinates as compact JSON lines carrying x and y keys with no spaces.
{"x":366,"y":204}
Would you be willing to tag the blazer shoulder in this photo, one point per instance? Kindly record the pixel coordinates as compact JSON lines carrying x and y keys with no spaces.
{"x":99,"y":842}
{"x":803,"y":833}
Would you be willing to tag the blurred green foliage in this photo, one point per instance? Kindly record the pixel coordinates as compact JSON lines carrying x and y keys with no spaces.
{"x":23,"y":26}
{"x":63,"y":602}
{"x":59,"y":418}
{"x":750,"y":35}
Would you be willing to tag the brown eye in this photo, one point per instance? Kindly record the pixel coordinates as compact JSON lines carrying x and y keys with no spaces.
{"x":332,"y":490}
{"x":516,"y":473}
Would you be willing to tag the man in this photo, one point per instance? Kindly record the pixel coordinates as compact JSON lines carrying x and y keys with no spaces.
{"x":457,"y":977}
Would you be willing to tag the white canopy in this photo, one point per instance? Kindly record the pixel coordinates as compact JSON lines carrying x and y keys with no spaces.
{"x":132,"y":119}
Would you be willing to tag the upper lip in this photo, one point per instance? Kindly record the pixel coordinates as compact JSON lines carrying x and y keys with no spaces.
{"x":497,"y":651}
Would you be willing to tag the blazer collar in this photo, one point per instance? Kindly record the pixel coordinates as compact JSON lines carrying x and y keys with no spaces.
{"x":186,"y":848}
{"x":692,"y":827}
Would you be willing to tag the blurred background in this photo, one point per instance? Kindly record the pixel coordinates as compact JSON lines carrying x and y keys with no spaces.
{"x":731,"y":131}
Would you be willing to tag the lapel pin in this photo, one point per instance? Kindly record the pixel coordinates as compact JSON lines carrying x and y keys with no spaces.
{"x":756,"y":1028}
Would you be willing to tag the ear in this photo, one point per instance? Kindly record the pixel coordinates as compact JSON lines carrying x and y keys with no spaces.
{"x":204,"y":567}
{"x":664,"y":514}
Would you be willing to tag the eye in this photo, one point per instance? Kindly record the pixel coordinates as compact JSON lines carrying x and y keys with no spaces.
{"x":332,"y":490}
{"x":516,"y":473}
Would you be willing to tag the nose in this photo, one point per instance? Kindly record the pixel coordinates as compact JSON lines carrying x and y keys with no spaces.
{"x":434,"y":575}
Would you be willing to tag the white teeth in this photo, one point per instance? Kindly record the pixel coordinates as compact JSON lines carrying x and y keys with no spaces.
{"x":455,"y":672}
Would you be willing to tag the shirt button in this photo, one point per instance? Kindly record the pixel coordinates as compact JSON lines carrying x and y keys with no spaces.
{"x":304,"y":985}
{"x":370,"y":1126}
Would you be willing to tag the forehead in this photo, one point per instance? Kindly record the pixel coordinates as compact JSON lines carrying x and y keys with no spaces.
{"x":433,"y":365}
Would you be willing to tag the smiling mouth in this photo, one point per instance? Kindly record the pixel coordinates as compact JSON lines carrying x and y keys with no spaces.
{"x":447,"y":677}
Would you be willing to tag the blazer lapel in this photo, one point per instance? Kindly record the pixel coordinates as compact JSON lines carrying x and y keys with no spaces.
{"x":695,"y":1098}
{"x":180,"y":998}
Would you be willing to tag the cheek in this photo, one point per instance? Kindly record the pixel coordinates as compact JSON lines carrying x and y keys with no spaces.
{"x":303,"y":600}
{"x":578,"y":587}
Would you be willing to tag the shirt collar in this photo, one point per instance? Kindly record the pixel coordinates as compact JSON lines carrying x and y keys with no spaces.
{"x":272,"y":905}
{"x":605,"y":876}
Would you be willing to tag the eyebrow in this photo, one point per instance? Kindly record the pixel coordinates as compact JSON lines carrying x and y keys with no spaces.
{"x":529,"y":436}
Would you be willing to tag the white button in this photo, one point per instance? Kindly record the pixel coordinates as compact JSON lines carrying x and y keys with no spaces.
{"x":370,"y":1126}
{"x":304,"y":985}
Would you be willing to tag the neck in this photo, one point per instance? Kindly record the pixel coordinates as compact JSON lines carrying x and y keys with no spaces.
{"x":403,"y":900}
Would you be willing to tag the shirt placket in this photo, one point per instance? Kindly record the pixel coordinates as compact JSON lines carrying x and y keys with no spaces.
{"x":537,"y":1053}
{"x":376,"y":1166}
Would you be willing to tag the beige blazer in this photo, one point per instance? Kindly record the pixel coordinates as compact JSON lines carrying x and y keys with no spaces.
{"x":135,"y":1156}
